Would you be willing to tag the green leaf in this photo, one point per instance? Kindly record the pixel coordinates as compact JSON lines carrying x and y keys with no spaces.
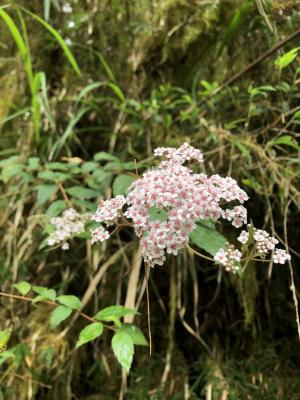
{"x":53,"y":176}
{"x":44,"y":294}
{"x":4,"y":338}
{"x":56,"y":208}
{"x":23,"y":287}
{"x":89,"y":88}
{"x":157,"y":214}
{"x":15,"y":33}
{"x":9,"y":161}
{"x":70,"y":301}
{"x":103,"y":156}
{"x":99,"y":175}
{"x":90,"y":333}
{"x":243,"y":149}
{"x":286,"y":140}
{"x":106,"y":66}
{"x":10,"y":171}
{"x":33,"y":163}
{"x":44,"y":192}
{"x":206,"y":237}
{"x":121,"y":184}
{"x":284,"y":60}
{"x":120,"y":166}
{"x":123,"y":349}
{"x":59,"y":315}
{"x":113,"y":312}
{"x":89,"y":166}
{"x":135,"y":333}
{"x":117,"y":90}
{"x":82,"y":193}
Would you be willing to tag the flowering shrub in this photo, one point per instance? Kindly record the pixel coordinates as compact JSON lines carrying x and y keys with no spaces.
{"x":68,"y":225}
{"x":165,"y":207}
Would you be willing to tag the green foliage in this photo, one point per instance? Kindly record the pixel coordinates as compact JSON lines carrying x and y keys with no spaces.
{"x":123,"y":348}
{"x":43,"y":294}
{"x":113,"y":314}
{"x":59,"y":315}
{"x":70,"y":301}
{"x":206,"y":237}
{"x":121,"y":184}
{"x":44,"y":193}
{"x":90,"y":333}
{"x":23,"y":287}
{"x":284,"y":60}
{"x":135,"y":333}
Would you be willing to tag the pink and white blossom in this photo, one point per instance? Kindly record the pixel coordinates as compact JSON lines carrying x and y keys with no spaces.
{"x":229,"y":258}
{"x":182,"y":196}
{"x":280,"y":256}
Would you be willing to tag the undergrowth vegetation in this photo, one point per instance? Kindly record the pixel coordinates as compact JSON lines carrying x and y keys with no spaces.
{"x":88,"y":91}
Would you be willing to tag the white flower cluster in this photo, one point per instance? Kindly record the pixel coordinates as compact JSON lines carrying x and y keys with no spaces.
{"x":264,"y":243}
{"x":238,"y":215}
{"x":66,"y":226}
{"x":229,"y":258}
{"x":280,"y":256}
{"x":184,"y":153}
{"x":108,"y":213}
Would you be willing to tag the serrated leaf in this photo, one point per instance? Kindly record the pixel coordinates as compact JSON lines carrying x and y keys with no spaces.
{"x":70,"y":301}
{"x":59,"y":315}
{"x":121,"y":184}
{"x":113,"y":312}
{"x":90,"y":333}
{"x":23,"y":287}
{"x":44,"y":192}
{"x":135,"y":333}
{"x":123,"y":349}
{"x":206,"y":237}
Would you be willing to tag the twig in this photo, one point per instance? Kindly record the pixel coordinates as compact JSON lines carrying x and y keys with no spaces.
{"x":51,"y":303}
{"x":200,"y":254}
{"x":64,"y":194}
